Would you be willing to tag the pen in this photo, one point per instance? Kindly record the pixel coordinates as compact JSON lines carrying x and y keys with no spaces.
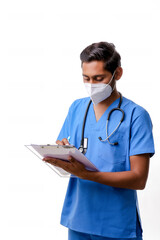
{"x":71,"y":145}
{"x":69,"y":139}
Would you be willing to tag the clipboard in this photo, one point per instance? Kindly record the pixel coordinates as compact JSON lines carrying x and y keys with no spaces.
{"x":62,"y":152}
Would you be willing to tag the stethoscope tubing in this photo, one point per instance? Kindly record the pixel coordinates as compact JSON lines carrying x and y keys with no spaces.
{"x":82,"y":148}
{"x":84,"y":121}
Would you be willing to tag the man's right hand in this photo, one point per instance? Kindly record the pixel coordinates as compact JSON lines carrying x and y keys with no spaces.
{"x":63,"y":142}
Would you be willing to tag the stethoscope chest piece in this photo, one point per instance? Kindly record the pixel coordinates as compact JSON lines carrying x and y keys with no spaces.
{"x":84,"y":146}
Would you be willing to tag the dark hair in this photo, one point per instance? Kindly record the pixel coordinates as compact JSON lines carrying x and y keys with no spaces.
{"x":102,"y":51}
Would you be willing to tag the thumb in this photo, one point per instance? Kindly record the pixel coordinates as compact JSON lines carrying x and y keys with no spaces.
{"x":70,"y":158}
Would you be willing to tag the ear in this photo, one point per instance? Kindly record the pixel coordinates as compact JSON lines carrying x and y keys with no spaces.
{"x":118,"y":74}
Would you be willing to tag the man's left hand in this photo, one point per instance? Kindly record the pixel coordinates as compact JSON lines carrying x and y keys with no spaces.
{"x":72,"y":166}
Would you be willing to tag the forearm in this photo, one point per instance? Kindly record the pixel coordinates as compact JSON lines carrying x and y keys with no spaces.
{"x":126,"y":179}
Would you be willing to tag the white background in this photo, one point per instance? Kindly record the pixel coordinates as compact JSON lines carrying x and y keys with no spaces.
{"x":40,"y":76}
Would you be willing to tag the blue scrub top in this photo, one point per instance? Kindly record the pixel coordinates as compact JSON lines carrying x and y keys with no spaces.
{"x":95,"y":208}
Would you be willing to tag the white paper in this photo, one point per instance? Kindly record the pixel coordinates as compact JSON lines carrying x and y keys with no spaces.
{"x":61,"y":152}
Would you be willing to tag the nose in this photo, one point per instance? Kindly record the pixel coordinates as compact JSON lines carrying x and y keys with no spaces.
{"x":91,"y":81}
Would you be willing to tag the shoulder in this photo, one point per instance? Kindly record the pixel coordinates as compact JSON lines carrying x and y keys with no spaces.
{"x":135,"y":109}
{"x":79,"y":104}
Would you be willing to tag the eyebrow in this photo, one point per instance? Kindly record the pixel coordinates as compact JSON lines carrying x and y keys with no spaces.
{"x":99,"y":75}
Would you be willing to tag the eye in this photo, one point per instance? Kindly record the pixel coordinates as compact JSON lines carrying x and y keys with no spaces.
{"x":85,"y":79}
{"x":99,"y":79}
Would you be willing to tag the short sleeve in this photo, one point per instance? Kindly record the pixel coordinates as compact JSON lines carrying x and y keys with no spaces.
{"x":141,"y":136}
{"x":65,"y":130}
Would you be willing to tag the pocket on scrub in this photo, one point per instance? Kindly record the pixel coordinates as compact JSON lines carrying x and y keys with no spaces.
{"x":107,"y":166}
{"x":112,"y":158}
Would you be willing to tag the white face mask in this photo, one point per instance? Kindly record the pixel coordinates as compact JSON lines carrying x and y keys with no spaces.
{"x":99,"y":91}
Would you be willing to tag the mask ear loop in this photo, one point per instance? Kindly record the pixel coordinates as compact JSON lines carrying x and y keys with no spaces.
{"x":112,"y":79}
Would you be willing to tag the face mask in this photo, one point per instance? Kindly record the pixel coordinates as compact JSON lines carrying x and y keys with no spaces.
{"x":99,"y":91}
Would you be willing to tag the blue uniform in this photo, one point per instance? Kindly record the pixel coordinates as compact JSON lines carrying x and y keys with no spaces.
{"x":94,"y":208}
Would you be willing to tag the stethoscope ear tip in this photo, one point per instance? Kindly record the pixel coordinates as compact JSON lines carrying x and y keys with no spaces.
{"x":100,"y":138}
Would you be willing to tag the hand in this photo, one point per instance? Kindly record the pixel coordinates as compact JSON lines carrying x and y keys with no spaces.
{"x":63,"y":142}
{"x":72,"y":166}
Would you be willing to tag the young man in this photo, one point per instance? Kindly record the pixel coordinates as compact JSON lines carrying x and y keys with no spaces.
{"x":104,"y":205}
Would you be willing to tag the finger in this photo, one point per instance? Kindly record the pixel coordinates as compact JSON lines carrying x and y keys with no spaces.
{"x":62,"y":164}
{"x":57,"y":162}
{"x":75,"y":162}
{"x":59,"y":142}
{"x":53,"y":161}
{"x":71,"y":159}
{"x":48,"y":159}
{"x":65,"y":141}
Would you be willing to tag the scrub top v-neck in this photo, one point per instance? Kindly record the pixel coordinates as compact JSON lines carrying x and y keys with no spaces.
{"x":102,"y":120}
{"x":95,"y":208}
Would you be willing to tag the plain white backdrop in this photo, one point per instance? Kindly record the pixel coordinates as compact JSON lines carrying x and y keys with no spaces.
{"x":41,"y":76}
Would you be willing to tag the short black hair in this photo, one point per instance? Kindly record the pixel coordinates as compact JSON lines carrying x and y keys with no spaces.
{"x":102,"y":51}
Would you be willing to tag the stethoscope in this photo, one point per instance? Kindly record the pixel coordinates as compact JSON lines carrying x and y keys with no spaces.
{"x":84,"y":141}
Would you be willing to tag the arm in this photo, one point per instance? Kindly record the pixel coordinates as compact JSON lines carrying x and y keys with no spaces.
{"x":136,"y":178}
